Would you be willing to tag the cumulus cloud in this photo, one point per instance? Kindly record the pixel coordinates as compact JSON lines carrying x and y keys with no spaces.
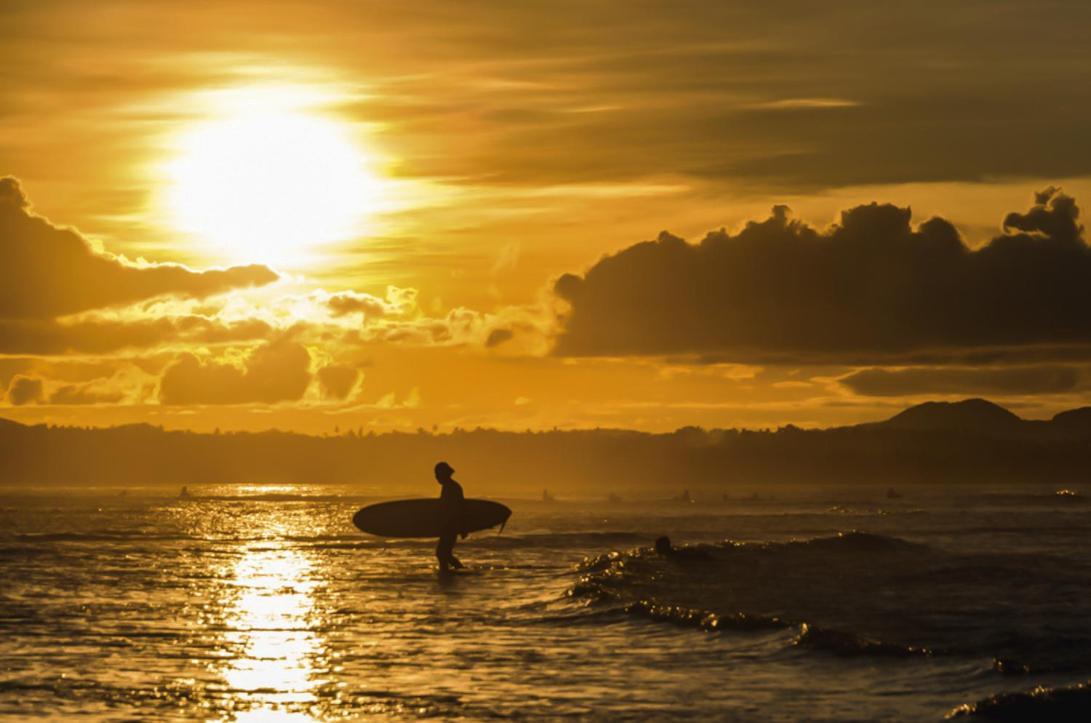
{"x":85,"y":394}
{"x":274,"y":372}
{"x":460,"y":326}
{"x":47,"y":271}
{"x":10,"y":366}
{"x":25,"y":390}
{"x":398,"y":302}
{"x":869,"y":288}
{"x":338,"y":380}
{"x":1043,"y":379}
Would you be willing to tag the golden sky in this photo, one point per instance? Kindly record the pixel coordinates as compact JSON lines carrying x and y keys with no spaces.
{"x":435,"y":214}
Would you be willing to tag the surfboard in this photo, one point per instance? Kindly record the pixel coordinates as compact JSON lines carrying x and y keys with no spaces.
{"x":423,"y":518}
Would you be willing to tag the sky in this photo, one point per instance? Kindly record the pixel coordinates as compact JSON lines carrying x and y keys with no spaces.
{"x":376,"y":216}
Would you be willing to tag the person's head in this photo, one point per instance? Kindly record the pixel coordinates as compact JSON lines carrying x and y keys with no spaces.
{"x":443,"y":472}
{"x":663,"y":546}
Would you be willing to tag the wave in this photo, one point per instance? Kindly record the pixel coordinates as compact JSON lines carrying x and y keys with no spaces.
{"x":1011,"y":666}
{"x":847,"y":542}
{"x":1068,"y":703}
{"x":838,"y":642}
{"x":103,"y":536}
{"x":702,"y":619}
{"x":848,"y":644}
{"x":860,"y":594}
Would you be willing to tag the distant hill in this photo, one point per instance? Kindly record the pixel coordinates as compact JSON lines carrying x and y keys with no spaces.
{"x":978,"y":416}
{"x":1074,"y":418}
{"x":955,"y":443}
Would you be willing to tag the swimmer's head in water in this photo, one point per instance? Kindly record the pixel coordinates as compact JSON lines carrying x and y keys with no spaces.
{"x":444,"y":471}
{"x":663,"y":546}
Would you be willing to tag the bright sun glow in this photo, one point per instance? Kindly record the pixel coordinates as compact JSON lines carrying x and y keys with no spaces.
{"x":269,"y":183}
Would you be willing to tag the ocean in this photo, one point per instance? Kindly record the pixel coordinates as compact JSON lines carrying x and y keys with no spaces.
{"x":252,"y":603}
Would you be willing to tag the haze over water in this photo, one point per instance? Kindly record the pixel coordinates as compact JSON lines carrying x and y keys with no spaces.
{"x":246,"y":607}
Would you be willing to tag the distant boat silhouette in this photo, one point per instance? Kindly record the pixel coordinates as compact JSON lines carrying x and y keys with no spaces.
{"x":613,"y":498}
{"x":184,"y":493}
{"x":684,"y":497}
{"x":546,"y":497}
{"x":892,"y":494}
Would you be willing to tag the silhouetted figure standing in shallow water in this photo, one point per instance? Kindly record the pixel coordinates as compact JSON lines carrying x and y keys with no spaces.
{"x":451,"y":498}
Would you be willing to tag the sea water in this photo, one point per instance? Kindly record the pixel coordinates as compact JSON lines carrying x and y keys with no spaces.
{"x":809,"y":604}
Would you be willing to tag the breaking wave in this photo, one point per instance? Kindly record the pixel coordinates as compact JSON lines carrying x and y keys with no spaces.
{"x":857,"y":594}
{"x":1067,"y":703}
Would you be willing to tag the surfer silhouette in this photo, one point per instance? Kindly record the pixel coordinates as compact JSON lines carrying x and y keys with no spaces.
{"x":664,"y":548}
{"x":451,"y":498}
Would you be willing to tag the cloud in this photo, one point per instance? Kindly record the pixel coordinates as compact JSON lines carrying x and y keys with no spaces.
{"x":84,"y":394}
{"x":25,"y":390}
{"x":1044,"y":379}
{"x":338,"y":380}
{"x":10,"y":366}
{"x":398,"y":302}
{"x":459,"y":326}
{"x":804,"y":104}
{"x":67,"y":381}
{"x":352,"y":303}
{"x":535,"y":99}
{"x":497,"y":337}
{"x":869,"y":288}
{"x":275,"y":372}
{"x":100,"y":336}
{"x":46,"y":271}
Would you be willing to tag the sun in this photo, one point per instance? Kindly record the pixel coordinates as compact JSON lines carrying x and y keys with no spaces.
{"x":269,"y":184}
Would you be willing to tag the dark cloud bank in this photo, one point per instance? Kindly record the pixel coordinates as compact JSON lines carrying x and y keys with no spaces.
{"x":101,"y":336}
{"x":870,"y":289}
{"x":1040,"y":379}
{"x":46,"y":271}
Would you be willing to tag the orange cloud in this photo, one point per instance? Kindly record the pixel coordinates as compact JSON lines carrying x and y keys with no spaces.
{"x":46,"y":271}
{"x":275,"y":372}
{"x":25,"y":390}
{"x":84,"y":394}
{"x":100,"y":336}
{"x":338,"y":380}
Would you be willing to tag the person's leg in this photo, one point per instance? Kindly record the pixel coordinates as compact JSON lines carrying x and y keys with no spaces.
{"x":443,"y":551}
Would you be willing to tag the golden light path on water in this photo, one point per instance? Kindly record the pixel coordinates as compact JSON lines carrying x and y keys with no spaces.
{"x":270,"y":618}
{"x":270,"y":623}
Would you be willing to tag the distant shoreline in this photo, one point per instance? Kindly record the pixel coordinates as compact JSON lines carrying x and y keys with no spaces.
{"x":969,"y":442}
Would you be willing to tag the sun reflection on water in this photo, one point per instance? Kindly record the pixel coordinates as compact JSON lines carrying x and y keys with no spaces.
{"x":272,"y":672}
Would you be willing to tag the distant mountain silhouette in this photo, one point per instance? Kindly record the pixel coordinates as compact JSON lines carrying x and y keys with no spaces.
{"x":970,"y":415}
{"x":1074,"y":418}
{"x":954,"y":443}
